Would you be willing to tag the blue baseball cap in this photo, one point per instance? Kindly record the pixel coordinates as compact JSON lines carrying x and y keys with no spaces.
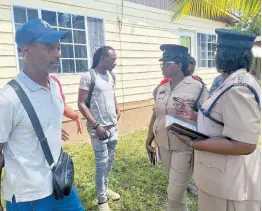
{"x":39,"y":31}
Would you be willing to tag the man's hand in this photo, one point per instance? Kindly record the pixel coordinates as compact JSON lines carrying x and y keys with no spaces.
{"x":101,"y":133}
{"x":65,"y":136}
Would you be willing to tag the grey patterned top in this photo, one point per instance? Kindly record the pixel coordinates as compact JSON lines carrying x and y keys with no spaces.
{"x":102,"y":105}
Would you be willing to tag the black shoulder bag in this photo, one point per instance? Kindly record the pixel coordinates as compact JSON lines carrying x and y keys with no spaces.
{"x":63,"y":171}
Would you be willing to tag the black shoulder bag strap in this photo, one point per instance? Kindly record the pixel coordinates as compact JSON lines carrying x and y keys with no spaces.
{"x":207,"y":112}
{"x":91,"y":88}
{"x":113,"y":76}
{"x":196,"y":104}
{"x":34,"y":120}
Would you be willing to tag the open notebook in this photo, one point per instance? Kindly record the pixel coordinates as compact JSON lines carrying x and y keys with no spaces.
{"x":184,"y":128}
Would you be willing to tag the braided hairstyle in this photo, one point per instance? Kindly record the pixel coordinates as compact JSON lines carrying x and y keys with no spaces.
{"x":232,"y":59}
{"x":102,"y":51}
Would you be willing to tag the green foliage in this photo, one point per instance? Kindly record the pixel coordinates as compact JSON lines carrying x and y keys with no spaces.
{"x":250,"y":26}
{"x":248,"y":12}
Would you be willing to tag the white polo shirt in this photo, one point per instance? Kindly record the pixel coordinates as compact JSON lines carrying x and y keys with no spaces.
{"x":27,"y":173}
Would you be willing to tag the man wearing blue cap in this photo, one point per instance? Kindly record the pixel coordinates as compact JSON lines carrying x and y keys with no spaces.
{"x":28,"y":181}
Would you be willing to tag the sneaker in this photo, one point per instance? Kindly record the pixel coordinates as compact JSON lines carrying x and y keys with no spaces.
{"x":112,"y":195}
{"x":104,"y":207}
{"x":192,"y":190}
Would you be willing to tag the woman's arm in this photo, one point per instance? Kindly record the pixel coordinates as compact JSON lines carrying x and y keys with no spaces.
{"x":224,"y":146}
{"x":218,"y":145}
{"x":150,"y":135}
{"x":71,"y":114}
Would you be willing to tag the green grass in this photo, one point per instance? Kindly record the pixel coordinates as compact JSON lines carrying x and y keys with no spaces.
{"x":142,"y":187}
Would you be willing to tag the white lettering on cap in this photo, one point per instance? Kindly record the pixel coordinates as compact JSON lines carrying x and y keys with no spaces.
{"x":47,"y":25}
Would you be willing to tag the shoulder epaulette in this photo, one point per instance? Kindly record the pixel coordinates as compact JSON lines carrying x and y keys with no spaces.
{"x":197,"y":78}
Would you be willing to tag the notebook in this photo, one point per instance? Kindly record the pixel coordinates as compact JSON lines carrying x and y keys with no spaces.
{"x":184,"y":128}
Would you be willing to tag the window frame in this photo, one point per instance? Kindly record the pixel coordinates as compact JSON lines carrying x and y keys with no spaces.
{"x":74,"y":13}
{"x":199,"y":56}
{"x":192,"y":35}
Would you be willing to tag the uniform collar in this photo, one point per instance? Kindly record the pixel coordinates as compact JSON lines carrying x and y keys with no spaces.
{"x":235,"y":74}
{"x":185,"y":82}
{"x":29,"y":83}
{"x":231,"y":77}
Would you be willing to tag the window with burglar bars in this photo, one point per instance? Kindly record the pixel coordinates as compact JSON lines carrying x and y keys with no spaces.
{"x":86,"y":35}
{"x":206,"y":47}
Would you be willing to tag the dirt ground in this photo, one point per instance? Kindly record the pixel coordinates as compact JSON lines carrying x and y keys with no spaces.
{"x":130,"y":121}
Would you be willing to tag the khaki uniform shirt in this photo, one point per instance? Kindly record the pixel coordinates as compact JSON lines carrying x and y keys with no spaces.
{"x":167,"y":103}
{"x":232,"y":177}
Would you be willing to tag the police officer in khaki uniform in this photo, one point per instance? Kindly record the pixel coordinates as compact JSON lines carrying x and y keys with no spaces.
{"x":227,"y":166}
{"x":175,"y":156}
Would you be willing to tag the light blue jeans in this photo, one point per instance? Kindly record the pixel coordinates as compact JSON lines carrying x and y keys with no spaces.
{"x":104,"y":155}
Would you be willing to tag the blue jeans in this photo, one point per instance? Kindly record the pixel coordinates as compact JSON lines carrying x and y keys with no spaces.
{"x":69,"y":203}
{"x":104,"y":154}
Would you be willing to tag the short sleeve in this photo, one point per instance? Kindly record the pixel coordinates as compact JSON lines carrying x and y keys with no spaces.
{"x":6,"y":118}
{"x":85,"y":81}
{"x":241,"y":116}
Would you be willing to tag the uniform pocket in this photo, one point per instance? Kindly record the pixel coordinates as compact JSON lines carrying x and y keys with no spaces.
{"x":181,"y":161}
{"x":211,"y":160}
{"x":160,"y":100}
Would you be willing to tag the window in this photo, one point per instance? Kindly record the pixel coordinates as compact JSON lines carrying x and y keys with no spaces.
{"x":76,"y":50}
{"x":206,"y":46}
{"x":21,"y":16}
{"x":186,"y":41}
{"x":159,"y":4}
{"x":95,"y":33}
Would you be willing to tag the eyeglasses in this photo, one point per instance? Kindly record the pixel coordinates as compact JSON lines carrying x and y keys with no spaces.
{"x":165,"y":64}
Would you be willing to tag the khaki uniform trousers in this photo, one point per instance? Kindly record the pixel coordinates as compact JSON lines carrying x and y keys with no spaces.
{"x":207,"y":202}
{"x":179,"y":171}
